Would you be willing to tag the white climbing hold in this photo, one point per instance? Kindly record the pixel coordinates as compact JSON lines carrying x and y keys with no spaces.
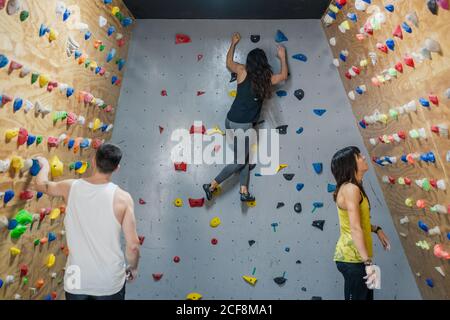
{"x":432,"y":45}
{"x":373,"y":57}
{"x":102,"y":21}
{"x":351,"y":95}
{"x":3,"y":222}
{"x":404,"y":235}
{"x":60,"y":8}
{"x":413,"y":18}
{"x":119,"y":36}
{"x":27,"y":164}
{"x":434,"y":231}
{"x":81,"y":120}
{"x":336,"y":62}
{"x":28,"y":106}
{"x":361,"y":5}
{"x":63,"y":87}
{"x":441,"y":184}
{"x":83,"y":27}
{"x":71,"y":46}
{"x":333,"y":41}
{"x":4,"y":165}
{"x":9,"y":279}
{"x":17,"y":297}
{"x":404,"y":220}
{"x":441,"y":272}
{"x":373,"y":141}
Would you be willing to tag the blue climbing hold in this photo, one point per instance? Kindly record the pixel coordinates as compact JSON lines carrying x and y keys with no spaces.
{"x":69,"y":92}
{"x":281,"y":93}
{"x":390,"y":44}
{"x":359,"y":90}
{"x":404,"y":159}
{"x":1,"y":283}
{"x":111,"y":55}
{"x":429,"y":282}
{"x":300,"y":186}
{"x":258,"y":175}
{"x":448,"y":235}
{"x":104,"y":127}
{"x":406,"y":27}
{"x":107,"y":1}
{"x":280,"y":37}
{"x":342,"y":56}
{"x":7,"y":197}
{"x":332,"y":15}
{"x":362,"y":124}
{"x":299,"y":130}
{"x":422,"y":226}
{"x":84,"y":144}
{"x":424,"y":102}
{"x":31,"y":139}
{"x":121,"y":64}
{"x":114,"y":79}
{"x":317,"y":205}
{"x":300,"y":57}
{"x":35,"y":168}
{"x":352,"y":16}
{"x":51,"y":237}
{"x":127,"y":22}
{"x":319,"y":112}
{"x":97,"y":70}
{"x":39,"y":194}
{"x":318,"y":167}
{"x":18,"y":102}
{"x":78,"y":165}
{"x":66,"y":15}
{"x":70,"y":143}
{"x":12,"y":224}
{"x":287,"y":249}
{"x":87,"y":35}
{"x":43,"y":30}
{"x":48,"y":297}
{"x":368,"y":1}
{"x":390,"y":7}
{"x":331,"y":188}
{"x":428,"y":157}
{"x":77,"y":54}
{"x":111,"y":30}
{"x":3,"y":61}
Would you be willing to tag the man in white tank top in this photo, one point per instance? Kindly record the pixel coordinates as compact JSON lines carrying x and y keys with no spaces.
{"x":96,"y":213}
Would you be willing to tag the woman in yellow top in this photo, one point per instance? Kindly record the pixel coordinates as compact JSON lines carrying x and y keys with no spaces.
{"x":354,"y":252}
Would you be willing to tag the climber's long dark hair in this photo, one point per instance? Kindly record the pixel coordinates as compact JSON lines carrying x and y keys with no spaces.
{"x":260,"y":73}
{"x":344,"y":168}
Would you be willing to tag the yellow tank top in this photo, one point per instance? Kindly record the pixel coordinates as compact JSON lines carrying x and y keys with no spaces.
{"x":345,"y":248}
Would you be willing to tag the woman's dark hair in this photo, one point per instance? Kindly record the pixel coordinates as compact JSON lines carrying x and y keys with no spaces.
{"x":108,"y":157}
{"x":260,"y":73}
{"x":344,"y":168}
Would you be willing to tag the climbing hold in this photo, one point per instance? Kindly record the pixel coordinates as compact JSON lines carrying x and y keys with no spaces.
{"x":142,"y":201}
{"x":318,"y":224}
{"x":298,"y":207}
{"x":318,"y":167}
{"x":180,"y":166}
{"x":331,"y":188}
{"x":398,"y":32}
{"x":300,"y":57}
{"x":13,"y":65}
{"x":282,"y":129}
{"x":17,"y":163}
{"x":281,"y":93}
{"x":440,"y":252}
{"x":280,"y":280}
{"x":157,"y":276}
{"x":250,"y":280}
{"x":444,"y":4}
{"x":251,"y":242}
{"x":409,"y":61}
{"x":22,"y":137}
{"x":429,"y":282}
{"x":316,"y":205}
{"x":390,"y":7}
{"x":215,"y":222}
{"x":51,"y":237}
{"x":3,"y":61}
{"x":422,"y":226}
{"x":8,"y":196}
{"x":111,"y":30}
{"x":432,"y":45}
{"x":288,"y":176}
{"x":24,"y":15}
{"x":194,"y":296}
{"x":432,"y":6}
{"x":50,"y":260}
{"x":280,"y":37}
{"x":299,"y":94}
{"x":382,"y":47}
{"x":255,"y":38}
{"x":280,"y":205}
{"x":406,"y":27}
{"x":319,"y":112}
{"x":299,"y":186}
{"x":299,"y":130}
{"x":274,"y":226}
{"x":182,"y":38}
{"x":233,"y":77}
{"x":196,"y":202}
{"x":13,"y":7}
{"x":178,"y":202}
{"x":390,"y":44}
{"x":56,"y":167}
{"x":14,"y":251}
{"x":26,"y":195}
{"x":176,"y":259}
{"x":110,"y":55}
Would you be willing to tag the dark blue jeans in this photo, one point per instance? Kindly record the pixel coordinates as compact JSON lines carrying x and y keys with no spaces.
{"x":355,"y":287}
{"x":117,"y":296}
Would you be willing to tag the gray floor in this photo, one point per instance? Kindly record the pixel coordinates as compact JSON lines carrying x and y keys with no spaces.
{"x":156,"y":63}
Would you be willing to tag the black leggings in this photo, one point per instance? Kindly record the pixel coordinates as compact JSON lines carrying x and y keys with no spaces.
{"x":117,"y":296}
{"x":355,"y":287}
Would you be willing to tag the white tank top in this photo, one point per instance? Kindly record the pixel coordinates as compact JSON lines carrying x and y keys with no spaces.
{"x":93,"y":238}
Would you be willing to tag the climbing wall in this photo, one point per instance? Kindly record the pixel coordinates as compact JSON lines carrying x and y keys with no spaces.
{"x":63,"y":95}
{"x":160,"y":94}
{"x":393,"y":58}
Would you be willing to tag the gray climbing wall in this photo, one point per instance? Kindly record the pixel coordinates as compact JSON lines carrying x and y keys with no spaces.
{"x":156,"y":63}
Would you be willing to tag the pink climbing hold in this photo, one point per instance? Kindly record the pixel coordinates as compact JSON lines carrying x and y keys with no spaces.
{"x":2,"y":4}
{"x":440,"y":252}
{"x":182,"y":38}
{"x":71,"y":118}
{"x":52,"y":85}
{"x":96,"y":143}
{"x":14,"y":66}
{"x":52,"y":142}
{"x":142,"y":201}
{"x":199,"y":57}
{"x":164,"y":93}
{"x":421,"y":204}
{"x":398,"y":32}
{"x":444,"y":4}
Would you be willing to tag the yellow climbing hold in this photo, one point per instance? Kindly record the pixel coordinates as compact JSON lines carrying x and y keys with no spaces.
{"x":50,"y":260}
{"x":363,"y":63}
{"x":93,"y":65}
{"x":423,"y":244}
{"x":115,"y":10}
{"x":83,"y":168}
{"x":250,"y":280}
{"x":233,"y":93}
{"x":215,"y":130}
{"x":281,"y":167}
{"x":55,"y":213}
{"x":9,"y":134}
{"x":383,"y":118}
{"x":333,"y":8}
{"x":56,"y":167}
{"x":215,"y":222}
{"x":14,"y":251}
{"x":52,"y":35}
{"x":345,"y":25}
{"x":43,"y":80}
{"x":17,"y":163}
{"x":178,"y":202}
{"x":194,"y":296}
{"x":217,"y":191}
{"x":251,"y":203}
{"x":409,"y":202}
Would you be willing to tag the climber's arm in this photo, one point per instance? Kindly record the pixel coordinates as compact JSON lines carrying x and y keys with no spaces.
{"x":51,"y":188}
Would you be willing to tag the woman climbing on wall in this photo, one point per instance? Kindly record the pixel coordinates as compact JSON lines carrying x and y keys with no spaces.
{"x":354,"y":252}
{"x":255,"y":80}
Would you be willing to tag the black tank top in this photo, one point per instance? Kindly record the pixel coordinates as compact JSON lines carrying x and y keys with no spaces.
{"x":246,"y":107}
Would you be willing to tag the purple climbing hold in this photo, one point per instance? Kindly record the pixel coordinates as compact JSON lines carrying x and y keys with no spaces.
{"x":7,"y":197}
{"x":280,"y":37}
{"x":319,"y":112}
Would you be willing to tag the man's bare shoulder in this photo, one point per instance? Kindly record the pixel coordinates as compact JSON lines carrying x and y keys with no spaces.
{"x":123,"y":196}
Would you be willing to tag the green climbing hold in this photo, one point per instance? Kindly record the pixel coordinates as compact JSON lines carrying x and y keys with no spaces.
{"x":59,"y":115}
{"x":102,"y":47}
{"x":25,"y":281}
{"x":38,"y":140}
{"x":34,"y":77}
{"x":23,"y":217}
{"x":24,"y":15}
{"x":88,"y":62}
{"x":119,"y":16}
{"x":36,"y":242}
{"x":18,"y":231}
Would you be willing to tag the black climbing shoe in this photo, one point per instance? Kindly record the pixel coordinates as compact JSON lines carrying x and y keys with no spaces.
{"x":252,"y":166}
{"x":247,"y":197}
{"x":207,"y":188}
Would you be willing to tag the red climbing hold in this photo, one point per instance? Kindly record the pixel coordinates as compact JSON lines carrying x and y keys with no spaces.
{"x":214,"y":241}
{"x":409,"y":61}
{"x":161,"y":129}
{"x":341,"y":2}
{"x":164,"y":93}
{"x":433,"y":183}
{"x":157,"y":276}
{"x":14,"y":66}
{"x":199,"y":57}
{"x":52,"y":85}
{"x":141,"y":240}
{"x":96,"y":143}
{"x":356,"y":70}
{"x":121,"y":42}
{"x":176,"y":259}
{"x":200,"y":93}
{"x":196,"y":202}
{"x":23,"y":136}
{"x":402,"y":135}
{"x":434,"y":99}
{"x":5,"y":99}
{"x":398,"y":32}
{"x":180,"y":166}
{"x":141,"y":201}
{"x":26,"y":195}
{"x":382,"y":47}
{"x":23,"y":270}
{"x":348,"y":75}
{"x":399,"y":67}
{"x":195,"y":129}
{"x":408,"y":181}
{"x":182,"y":38}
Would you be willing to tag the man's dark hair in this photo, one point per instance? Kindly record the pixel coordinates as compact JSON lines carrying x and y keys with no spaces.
{"x":108,"y":157}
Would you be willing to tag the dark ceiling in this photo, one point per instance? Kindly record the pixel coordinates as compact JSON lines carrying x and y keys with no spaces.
{"x":227,"y":9}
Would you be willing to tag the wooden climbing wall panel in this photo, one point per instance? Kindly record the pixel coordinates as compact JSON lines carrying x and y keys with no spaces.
{"x":430,"y":77}
{"x":20,"y":42}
